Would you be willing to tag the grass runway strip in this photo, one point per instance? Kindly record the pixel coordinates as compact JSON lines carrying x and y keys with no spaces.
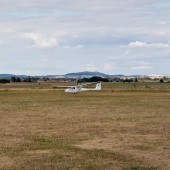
{"x":45,"y":128}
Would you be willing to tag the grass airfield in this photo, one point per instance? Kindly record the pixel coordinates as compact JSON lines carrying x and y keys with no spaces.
{"x":125,"y":126}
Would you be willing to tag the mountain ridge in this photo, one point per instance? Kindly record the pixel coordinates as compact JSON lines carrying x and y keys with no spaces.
{"x":87,"y":74}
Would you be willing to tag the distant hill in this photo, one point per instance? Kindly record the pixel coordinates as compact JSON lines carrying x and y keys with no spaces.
{"x":11,"y":75}
{"x":6,"y":75}
{"x":85,"y":74}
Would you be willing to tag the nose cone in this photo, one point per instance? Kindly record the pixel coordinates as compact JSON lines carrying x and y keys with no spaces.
{"x":67,"y":90}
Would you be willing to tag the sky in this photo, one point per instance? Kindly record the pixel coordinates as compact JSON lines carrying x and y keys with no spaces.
{"x":55,"y":37}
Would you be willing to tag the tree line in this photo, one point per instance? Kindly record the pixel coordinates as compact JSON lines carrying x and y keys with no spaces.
{"x":93,"y":79}
{"x":16,"y":79}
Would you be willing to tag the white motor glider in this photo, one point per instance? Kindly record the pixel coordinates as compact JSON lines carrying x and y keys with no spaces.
{"x":80,"y":88}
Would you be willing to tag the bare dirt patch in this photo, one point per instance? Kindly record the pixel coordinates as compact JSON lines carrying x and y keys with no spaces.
{"x":140,"y":147}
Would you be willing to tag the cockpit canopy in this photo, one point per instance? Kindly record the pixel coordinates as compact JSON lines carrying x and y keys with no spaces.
{"x":72,"y":88}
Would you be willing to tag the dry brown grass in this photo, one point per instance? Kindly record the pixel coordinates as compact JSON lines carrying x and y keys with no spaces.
{"x":49,"y":129}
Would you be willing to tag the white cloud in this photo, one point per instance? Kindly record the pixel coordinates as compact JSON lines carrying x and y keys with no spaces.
{"x":108,"y":66}
{"x":49,"y":40}
{"x":79,"y":46}
{"x":159,"y":45}
{"x":5,"y":30}
{"x":137,"y":44}
{"x":140,"y":67}
{"x":41,"y":41}
{"x":144,"y":44}
{"x":90,"y":67}
{"x":159,"y":33}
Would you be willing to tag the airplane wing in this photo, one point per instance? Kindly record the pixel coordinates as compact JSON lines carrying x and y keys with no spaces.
{"x":62,"y":86}
{"x":86,"y":84}
{"x":79,"y":85}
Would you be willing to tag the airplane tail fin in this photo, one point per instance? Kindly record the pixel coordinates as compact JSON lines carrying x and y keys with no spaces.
{"x":98,"y":86}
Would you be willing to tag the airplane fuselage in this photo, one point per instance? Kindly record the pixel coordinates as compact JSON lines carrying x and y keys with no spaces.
{"x":76,"y":89}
